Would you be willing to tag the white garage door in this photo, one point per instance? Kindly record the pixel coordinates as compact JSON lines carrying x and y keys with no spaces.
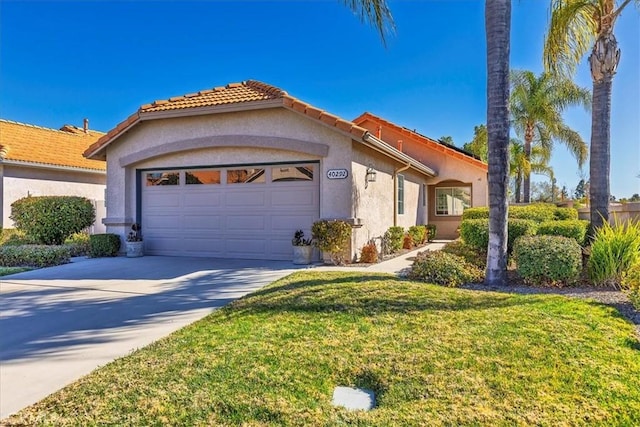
{"x":247,"y":212}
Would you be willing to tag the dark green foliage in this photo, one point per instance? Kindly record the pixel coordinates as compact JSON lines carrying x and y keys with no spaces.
{"x":418,"y":234}
{"x":33,"y":256}
{"x":51,"y":219}
{"x":548,"y":260}
{"x":78,"y":244}
{"x":443,"y":268}
{"x":15,"y":237}
{"x":394,"y":237}
{"x":475,"y":213}
{"x":471,"y":254}
{"x":475,"y":232}
{"x":538,"y":212}
{"x":104,"y":245}
{"x":573,"y":228}
{"x":332,"y":237}
{"x":431,"y":232}
{"x":631,"y":284}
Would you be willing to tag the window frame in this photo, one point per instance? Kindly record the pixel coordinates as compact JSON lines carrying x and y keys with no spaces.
{"x":400,"y":201}
{"x":466,"y":188}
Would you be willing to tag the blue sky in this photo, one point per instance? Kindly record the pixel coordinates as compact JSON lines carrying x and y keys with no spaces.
{"x":63,"y":61}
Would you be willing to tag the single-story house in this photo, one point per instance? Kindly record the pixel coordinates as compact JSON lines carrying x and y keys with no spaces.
{"x":234,"y":171}
{"x":39,"y":161}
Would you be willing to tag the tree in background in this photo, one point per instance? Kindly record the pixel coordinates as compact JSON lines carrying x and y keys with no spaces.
{"x":575,"y":27}
{"x":520,"y":165}
{"x":478,"y":145}
{"x":537,"y":104}
{"x":581,"y":190}
{"x":447,"y":140}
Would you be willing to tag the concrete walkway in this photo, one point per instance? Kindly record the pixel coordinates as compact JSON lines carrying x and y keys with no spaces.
{"x":58,"y":324}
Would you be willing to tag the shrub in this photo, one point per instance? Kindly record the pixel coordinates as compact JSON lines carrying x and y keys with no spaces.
{"x":631,"y":284}
{"x":431,"y":232}
{"x":393,"y":237}
{"x":562,"y":214}
{"x":471,"y":254}
{"x":15,"y":237}
{"x":613,"y":251}
{"x":443,"y":268}
{"x":418,"y":234}
{"x":104,"y":245}
{"x":475,"y":213}
{"x":33,"y":256}
{"x":369,"y":253}
{"x":51,"y":219}
{"x":548,"y":260}
{"x":538,"y":212}
{"x":573,"y":228}
{"x":332,"y":237}
{"x":78,"y":244}
{"x":407,"y":242}
{"x":475,"y":232}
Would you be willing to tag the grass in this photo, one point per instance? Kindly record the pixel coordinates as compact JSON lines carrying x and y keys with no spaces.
{"x":433,"y":355}
{"x":4,"y":271}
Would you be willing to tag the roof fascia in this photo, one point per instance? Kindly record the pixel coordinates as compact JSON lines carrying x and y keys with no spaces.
{"x":6,"y":162}
{"x":398,"y":155}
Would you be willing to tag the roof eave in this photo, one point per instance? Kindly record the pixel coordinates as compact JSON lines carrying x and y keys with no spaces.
{"x":398,"y":155}
{"x":9,"y":162}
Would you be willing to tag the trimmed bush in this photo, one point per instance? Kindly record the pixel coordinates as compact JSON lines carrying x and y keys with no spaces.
{"x":471,"y":254}
{"x":573,"y":228}
{"x":369,"y":253}
{"x":475,"y":213}
{"x":407,"y":242}
{"x":431,"y":232}
{"x":613,"y":251}
{"x":51,"y":219}
{"x":15,"y":237}
{"x":536,"y":212}
{"x":418,"y":234}
{"x":562,"y":214}
{"x":548,"y":260}
{"x":104,"y":245}
{"x":443,"y":268}
{"x":393,"y":237}
{"x":475,"y":232}
{"x":78,"y":244}
{"x":332,"y":237}
{"x":631,"y":284}
{"x":33,"y":256}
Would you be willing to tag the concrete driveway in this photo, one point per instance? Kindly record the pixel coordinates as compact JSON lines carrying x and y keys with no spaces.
{"x":60,"y":323}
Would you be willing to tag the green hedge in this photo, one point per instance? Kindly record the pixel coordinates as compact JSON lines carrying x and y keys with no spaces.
{"x":51,"y":219}
{"x":548,"y":260}
{"x":33,"y":256}
{"x":443,"y":268}
{"x":15,"y":237}
{"x":332,"y":237}
{"x":471,"y":254}
{"x":418,"y":234}
{"x":475,"y":232}
{"x":78,"y":244}
{"x":431,"y":232}
{"x":536,"y":212}
{"x":104,"y":245}
{"x":394,"y":238}
{"x":631,"y":284}
{"x":573,"y":228}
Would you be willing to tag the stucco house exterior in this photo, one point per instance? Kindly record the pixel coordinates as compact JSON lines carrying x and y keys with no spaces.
{"x":233,"y":171}
{"x":39,"y":161}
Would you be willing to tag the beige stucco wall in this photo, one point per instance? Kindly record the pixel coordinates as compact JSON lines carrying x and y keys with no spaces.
{"x":335,"y":195}
{"x":19,"y":182}
{"x":621,"y":212}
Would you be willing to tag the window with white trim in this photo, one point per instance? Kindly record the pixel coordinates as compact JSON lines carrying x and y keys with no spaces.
{"x":400,"y":194}
{"x":451,"y":201}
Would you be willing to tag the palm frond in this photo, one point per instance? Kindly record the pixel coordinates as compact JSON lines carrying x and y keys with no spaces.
{"x":376,"y":13}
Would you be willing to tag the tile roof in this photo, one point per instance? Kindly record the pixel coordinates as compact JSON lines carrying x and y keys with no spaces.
{"x":26,"y":143}
{"x":432,"y":143}
{"x":244,"y":93}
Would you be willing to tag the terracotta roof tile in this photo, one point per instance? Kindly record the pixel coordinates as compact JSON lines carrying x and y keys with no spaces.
{"x":35,"y":144}
{"x":433,"y":144}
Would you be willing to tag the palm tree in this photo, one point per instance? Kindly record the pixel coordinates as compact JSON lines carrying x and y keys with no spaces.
{"x":520,"y":165}
{"x":376,"y":13}
{"x":577,"y":25}
{"x":497,"y":15}
{"x":537,"y":104}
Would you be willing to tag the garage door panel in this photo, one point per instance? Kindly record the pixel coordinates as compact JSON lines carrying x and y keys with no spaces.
{"x":247,"y":220}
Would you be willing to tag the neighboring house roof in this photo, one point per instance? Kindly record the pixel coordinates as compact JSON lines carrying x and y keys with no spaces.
{"x":31,"y":145}
{"x":246,"y":95}
{"x":429,"y":142}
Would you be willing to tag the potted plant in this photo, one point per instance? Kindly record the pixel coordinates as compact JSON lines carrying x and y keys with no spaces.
{"x":134,"y":242}
{"x":302,"y":249}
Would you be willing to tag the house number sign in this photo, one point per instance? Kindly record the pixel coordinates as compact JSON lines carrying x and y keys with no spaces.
{"x":337,"y":173}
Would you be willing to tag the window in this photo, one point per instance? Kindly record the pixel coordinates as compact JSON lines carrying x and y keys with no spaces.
{"x":452,"y":201}
{"x":292,"y":173}
{"x":400,"y":194}
{"x":202,"y":177}
{"x":240,"y":176}
{"x":162,"y":178}
{"x":424,"y":194}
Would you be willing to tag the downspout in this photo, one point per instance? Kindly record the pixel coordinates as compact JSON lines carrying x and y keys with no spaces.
{"x":395,"y":192}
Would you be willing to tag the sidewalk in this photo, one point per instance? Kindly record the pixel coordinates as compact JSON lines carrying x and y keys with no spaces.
{"x":397,"y":265}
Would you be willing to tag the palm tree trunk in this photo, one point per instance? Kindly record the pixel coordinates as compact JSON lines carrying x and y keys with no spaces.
{"x":528,"y":137}
{"x":599,"y":162}
{"x":518,"y":185}
{"x":497,"y":28}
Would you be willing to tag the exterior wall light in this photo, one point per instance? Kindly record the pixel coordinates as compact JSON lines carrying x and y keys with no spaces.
{"x":371,"y":174}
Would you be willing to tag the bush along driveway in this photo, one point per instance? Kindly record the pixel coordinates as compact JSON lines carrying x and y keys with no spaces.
{"x":433,"y":356}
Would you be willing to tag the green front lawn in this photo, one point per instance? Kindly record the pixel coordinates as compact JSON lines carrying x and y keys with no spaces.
{"x":434,"y":356}
{"x":4,"y":271}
